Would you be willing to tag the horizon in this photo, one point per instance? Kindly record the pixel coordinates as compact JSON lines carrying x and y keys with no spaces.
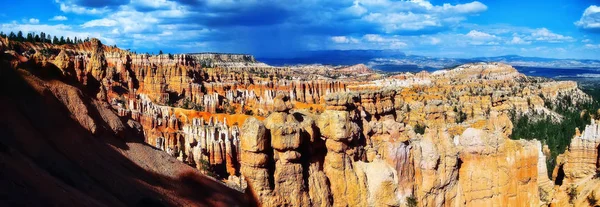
{"x":274,"y":29}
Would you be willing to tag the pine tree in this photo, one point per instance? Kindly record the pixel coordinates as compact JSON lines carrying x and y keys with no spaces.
{"x":48,"y":39}
{"x":29,"y":37}
{"x":12,"y":36}
{"x":62,"y":40}
{"x":160,"y":52}
{"x":37,"y":38}
{"x":55,"y":40}
{"x":20,"y":37}
{"x":69,"y":41}
{"x":75,"y":40}
{"x":2,"y":34}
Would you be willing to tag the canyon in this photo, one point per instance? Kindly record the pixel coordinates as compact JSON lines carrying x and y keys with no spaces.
{"x":112,"y":127}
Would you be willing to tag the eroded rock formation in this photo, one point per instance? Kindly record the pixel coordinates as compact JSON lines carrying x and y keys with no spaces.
{"x":576,"y":172}
{"x":330,"y":136}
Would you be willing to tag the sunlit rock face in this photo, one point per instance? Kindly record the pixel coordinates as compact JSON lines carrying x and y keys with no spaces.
{"x":334,"y":136}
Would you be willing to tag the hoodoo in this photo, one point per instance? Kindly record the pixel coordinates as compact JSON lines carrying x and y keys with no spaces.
{"x":90,"y":124}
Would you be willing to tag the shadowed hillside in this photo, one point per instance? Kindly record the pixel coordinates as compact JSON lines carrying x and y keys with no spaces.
{"x":60,"y":147}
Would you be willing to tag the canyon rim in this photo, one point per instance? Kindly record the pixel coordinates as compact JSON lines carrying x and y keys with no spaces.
{"x":322,"y":104}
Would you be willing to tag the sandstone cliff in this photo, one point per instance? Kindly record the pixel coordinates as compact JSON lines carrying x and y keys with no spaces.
{"x":314,"y":135}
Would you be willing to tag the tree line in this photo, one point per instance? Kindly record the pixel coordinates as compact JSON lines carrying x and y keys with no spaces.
{"x":42,"y":38}
{"x":557,"y":135}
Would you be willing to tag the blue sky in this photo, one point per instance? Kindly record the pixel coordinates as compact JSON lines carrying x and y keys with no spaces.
{"x":271,"y":28}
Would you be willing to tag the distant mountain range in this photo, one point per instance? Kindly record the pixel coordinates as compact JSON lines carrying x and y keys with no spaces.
{"x":392,"y":60}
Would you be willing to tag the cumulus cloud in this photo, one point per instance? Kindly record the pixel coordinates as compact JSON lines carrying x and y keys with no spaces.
{"x":590,"y":20}
{"x":59,"y":18}
{"x":592,"y":46}
{"x":100,"y":23}
{"x":81,"y":10}
{"x":343,"y":39}
{"x":374,"y":38}
{"x":371,"y":41}
{"x":480,"y":35}
{"x":473,"y":7}
{"x":546,"y":35}
{"x":269,"y":25}
{"x":399,"y":16}
{"x":476,"y":37}
{"x":393,"y":42}
{"x":89,"y":7}
{"x":34,"y":21}
{"x":356,"y":9}
{"x":518,"y":41}
{"x":96,"y":3}
{"x":274,"y":27}
{"x":127,"y":20}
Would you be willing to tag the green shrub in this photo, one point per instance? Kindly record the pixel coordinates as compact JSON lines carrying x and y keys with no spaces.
{"x":411,"y":201}
{"x":572,"y":192}
{"x":420,"y":129}
{"x":592,"y":199}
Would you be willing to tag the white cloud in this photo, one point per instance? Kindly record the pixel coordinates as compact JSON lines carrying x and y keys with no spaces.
{"x":473,"y":7}
{"x":356,"y":9}
{"x":546,"y":35}
{"x":590,"y":18}
{"x":592,"y":46}
{"x":397,"y":16}
{"x":397,"y":45}
{"x":393,"y":42}
{"x":100,"y":23}
{"x":343,"y":39}
{"x":34,"y":21}
{"x":73,"y":8}
{"x":128,"y":20}
{"x":586,"y":40}
{"x":518,"y":41}
{"x":146,"y":37}
{"x":411,"y":25}
{"x":155,"y":4}
{"x":475,"y":37}
{"x":480,"y":35}
{"x":59,"y":18}
{"x":166,"y":33}
{"x":374,"y":38}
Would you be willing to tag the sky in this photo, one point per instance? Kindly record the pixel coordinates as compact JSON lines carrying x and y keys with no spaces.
{"x":282,"y":28}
